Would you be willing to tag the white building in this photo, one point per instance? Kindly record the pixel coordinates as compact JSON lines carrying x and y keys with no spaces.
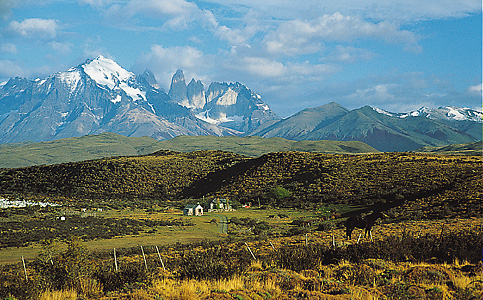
{"x":193,"y":209}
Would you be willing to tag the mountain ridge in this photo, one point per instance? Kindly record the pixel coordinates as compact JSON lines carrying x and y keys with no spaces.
{"x":100,"y":96}
{"x":378,"y":128}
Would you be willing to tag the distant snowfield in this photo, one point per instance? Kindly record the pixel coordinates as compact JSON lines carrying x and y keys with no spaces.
{"x":5,"y":203}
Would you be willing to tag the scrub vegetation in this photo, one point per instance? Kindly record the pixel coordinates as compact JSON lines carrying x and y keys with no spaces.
{"x":289,"y":244}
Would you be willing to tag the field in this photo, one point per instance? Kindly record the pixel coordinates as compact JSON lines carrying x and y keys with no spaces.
{"x":111,"y":144}
{"x":290,"y":244}
{"x":201,"y":228}
{"x":315,"y":262}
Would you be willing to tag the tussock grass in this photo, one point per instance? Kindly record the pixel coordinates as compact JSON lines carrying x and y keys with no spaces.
{"x":59,"y":295}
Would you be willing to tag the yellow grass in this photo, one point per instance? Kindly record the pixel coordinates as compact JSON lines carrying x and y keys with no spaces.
{"x":59,"y":295}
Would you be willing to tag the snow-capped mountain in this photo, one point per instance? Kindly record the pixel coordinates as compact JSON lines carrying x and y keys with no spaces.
{"x":230,"y":105}
{"x":451,"y":113}
{"x":378,"y":128}
{"x":100,"y":96}
{"x":94,"y":97}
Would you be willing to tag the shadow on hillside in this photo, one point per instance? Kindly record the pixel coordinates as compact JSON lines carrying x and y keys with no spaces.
{"x":214,"y":181}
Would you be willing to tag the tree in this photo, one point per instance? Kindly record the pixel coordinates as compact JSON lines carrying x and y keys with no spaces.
{"x":279,"y":193}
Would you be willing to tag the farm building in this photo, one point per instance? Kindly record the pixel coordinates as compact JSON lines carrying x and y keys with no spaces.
{"x":219,"y":204}
{"x":193,"y":209}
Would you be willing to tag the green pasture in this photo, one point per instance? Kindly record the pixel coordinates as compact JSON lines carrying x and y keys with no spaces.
{"x":204,"y":227}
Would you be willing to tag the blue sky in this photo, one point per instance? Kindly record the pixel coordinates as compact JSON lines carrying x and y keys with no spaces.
{"x":395,"y":55}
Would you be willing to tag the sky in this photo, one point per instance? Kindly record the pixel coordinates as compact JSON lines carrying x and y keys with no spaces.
{"x":392,"y":54}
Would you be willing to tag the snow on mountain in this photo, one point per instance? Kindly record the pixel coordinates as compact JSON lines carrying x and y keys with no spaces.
{"x":107,"y":72}
{"x":382,"y":111}
{"x":99,"y":95}
{"x":440,"y":113}
{"x":229,"y":105}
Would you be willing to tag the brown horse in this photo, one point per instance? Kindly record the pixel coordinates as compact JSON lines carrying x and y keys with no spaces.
{"x":362,"y":222}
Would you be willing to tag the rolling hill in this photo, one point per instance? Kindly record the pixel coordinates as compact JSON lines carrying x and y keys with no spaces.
{"x":439,"y":186}
{"x":455,"y":149}
{"x":112,"y":144}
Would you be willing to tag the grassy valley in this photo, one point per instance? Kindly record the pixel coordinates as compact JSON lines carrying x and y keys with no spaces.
{"x":74,"y":149}
{"x":457,"y":149}
{"x":112,"y":144}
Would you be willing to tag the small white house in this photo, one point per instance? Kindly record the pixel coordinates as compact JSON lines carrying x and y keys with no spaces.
{"x":193,"y":209}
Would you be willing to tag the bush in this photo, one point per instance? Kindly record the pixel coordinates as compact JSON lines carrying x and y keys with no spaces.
{"x":279,"y":193}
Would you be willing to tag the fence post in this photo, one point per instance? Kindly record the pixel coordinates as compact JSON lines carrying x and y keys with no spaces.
{"x":115,"y":260}
{"x":333,"y":240}
{"x":250,"y":251}
{"x":441,"y":236}
{"x":144,"y":257}
{"x":306,"y":241}
{"x":24,"y":268}
{"x":159,"y":255}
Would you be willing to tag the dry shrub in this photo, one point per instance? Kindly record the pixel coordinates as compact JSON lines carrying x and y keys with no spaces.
{"x":357,"y":274}
{"x":315,"y":295}
{"x":59,"y":295}
{"x":227,"y":285}
{"x":187,"y":290}
{"x":89,"y":287}
{"x":139,"y":295}
{"x":361,"y":293}
{"x":427,"y":274}
{"x":171,"y":289}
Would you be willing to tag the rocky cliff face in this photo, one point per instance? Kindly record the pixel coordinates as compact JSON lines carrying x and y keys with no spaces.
{"x":229,"y":105}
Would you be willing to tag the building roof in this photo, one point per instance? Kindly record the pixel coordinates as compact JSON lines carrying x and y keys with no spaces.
{"x":192,"y":206}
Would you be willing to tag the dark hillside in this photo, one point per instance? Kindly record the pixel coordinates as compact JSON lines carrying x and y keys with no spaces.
{"x":424,"y":184}
{"x":155,"y":178}
{"x":391,"y":178}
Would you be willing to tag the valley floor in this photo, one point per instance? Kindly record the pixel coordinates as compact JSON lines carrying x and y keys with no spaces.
{"x":286,"y":267}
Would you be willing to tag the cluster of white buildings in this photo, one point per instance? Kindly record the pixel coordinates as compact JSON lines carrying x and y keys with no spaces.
{"x":5,"y":203}
{"x":217,"y":205}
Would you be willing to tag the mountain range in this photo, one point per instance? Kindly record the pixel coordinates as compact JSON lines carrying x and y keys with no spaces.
{"x":100,"y":96}
{"x":380,"y":129}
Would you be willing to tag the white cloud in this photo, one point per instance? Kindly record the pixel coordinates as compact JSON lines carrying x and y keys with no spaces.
{"x":380,"y":93}
{"x":406,"y":11}
{"x":5,"y":7}
{"x":97,"y":3}
{"x":34,"y":28}
{"x":9,"y":68}
{"x":63,"y":48}
{"x":277,"y":72}
{"x":476,"y":89}
{"x":249,"y":26}
{"x":263,"y":67}
{"x":164,"y":61}
{"x":8,"y":48}
{"x":349,"y":54}
{"x":176,"y":14}
{"x":297,"y":37}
